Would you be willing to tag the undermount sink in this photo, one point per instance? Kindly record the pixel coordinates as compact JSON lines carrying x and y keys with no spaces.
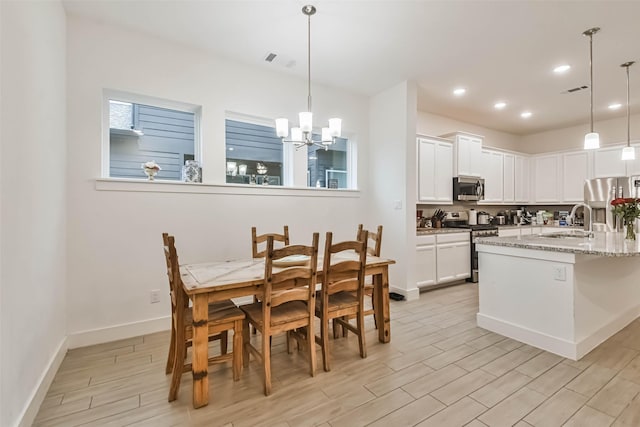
{"x":572,"y":234}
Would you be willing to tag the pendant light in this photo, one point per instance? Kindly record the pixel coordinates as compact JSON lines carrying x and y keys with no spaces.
{"x":628,"y":152}
{"x":302,"y":135}
{"x":592,"y":139}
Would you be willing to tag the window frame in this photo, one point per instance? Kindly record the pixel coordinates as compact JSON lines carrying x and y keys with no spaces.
{"x":117,"y":95}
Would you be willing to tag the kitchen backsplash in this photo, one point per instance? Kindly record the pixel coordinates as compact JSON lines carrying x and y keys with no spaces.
{"x":427,"y":210}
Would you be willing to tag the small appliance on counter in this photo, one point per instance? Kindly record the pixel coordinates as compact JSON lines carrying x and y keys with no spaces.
{"x":500,"y":219}
{"x":473,"y":217}
{"x":483,"y":218}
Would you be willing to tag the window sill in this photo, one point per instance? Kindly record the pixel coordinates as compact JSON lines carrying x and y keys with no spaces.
{"x":164,"y":186}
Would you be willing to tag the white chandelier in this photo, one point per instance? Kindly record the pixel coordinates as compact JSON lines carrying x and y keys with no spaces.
{"x":628,"y":152}
{"x":303,"y":135}
{"x":592,"y":139}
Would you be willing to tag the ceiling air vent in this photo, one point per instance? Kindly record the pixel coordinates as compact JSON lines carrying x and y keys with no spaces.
{"x":270,"y":57}
{"x":576,"y":89}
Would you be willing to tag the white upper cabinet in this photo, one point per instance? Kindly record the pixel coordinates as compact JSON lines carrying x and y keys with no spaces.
{"x":575,"y":168}
{"x":492,"y":165}
{"x":467,"y":154}
{"x":508,"y":173}
{"x":607,"y":162}
{"x":547,"y":171}
{"x":435,"y":170}
{"x":522,"y":179}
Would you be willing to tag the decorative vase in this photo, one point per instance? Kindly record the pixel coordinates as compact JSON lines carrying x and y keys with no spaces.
{"x":150,"y":173}
{"x":631,"y":233}
{"x":191,"y":171}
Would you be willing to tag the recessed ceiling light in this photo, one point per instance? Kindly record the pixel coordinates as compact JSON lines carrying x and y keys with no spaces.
{"x":562,"y":69}
{"x":525,"y":114}
{"x":499,"y":105}
{"x":614,"y":106}
{"x":459,"y":91}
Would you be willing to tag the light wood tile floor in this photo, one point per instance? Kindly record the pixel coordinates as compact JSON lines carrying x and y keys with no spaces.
{"x":439,"y":370}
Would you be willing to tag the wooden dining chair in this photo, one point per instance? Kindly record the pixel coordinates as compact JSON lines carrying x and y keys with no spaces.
{"x":286,"y":304}
{"x":341,"y":295}
{"x":374,"y":245}
{"x":260,"y":239}
{"x":257,"y":240}
{"x":223,"y":316}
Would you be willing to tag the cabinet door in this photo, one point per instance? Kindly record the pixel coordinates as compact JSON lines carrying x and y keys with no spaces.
{"x":522,"y":179}
{"x":548,"y":178}
{"x":633,"y":166}
{"x":492,"y":162}
{"x":426,"y":265}
{"x":508,"y":232}
{"x":453,"y":261}
{"x":509,"y":178}
{"x":607,"y":163}
{"x":426,"y":170}
{"x":468,"y":153}
{"x":576,"y":172}
{"x":444,"y":173}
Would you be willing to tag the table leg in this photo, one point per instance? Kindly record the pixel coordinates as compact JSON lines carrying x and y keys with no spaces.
{"x":200,"y":361}
{"x":381,"y":288}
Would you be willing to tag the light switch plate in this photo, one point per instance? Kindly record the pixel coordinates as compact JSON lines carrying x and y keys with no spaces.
{"x":560,"y":273}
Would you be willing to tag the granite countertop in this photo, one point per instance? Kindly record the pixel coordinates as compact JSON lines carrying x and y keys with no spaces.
{"x":428,"y":231}
{"x":569,"y":227}
{"x":603,"y":244}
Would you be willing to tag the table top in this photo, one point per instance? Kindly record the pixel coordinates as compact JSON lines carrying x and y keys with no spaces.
{"x":224,"y":275}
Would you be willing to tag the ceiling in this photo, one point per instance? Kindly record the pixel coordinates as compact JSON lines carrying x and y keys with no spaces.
{"x":497,"y":50}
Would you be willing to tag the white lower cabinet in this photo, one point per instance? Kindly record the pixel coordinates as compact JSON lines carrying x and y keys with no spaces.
{"x":426,"y":261}
{"x":443,"y":258}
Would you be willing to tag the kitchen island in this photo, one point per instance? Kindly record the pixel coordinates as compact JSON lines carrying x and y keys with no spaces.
{"x":562,"y":294}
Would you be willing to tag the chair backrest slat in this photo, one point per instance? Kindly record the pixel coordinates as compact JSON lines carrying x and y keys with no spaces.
{"x":344,"y":274}
{"x":376,"y":237}
{"x":258,"y":239}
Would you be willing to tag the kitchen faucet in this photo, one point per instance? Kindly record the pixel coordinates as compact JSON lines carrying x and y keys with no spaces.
{"x":587,"y":207}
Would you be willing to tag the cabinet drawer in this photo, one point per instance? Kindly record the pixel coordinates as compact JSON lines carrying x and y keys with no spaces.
{"x":452,"y":237}
{"x":429,"y":239}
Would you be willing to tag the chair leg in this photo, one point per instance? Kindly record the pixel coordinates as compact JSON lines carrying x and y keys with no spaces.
{"x":324,"y":336}
{"x":237,"y":349}
{"x":373,"y":306}
{"x":246,"y":342}
{"x":178,"y":363}
{"x":266,"y":359}
{"x":289,"y":349}
{"x":172,"y":351}
{"x":224,"y":342}
{"x":345,"y":331}
{"x":336,"y":330}
{"x":361,"y":343}
{"x":311,"y":341}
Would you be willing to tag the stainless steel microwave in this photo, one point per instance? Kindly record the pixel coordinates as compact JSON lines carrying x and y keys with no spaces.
{"x":468,"y":188}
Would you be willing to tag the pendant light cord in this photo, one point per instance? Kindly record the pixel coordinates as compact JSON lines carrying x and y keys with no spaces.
{"x":309,"y":62}
{"x":628,"y":111}
{"x":591,"y":75}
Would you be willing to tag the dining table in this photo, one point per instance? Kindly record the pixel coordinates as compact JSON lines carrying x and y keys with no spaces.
{"x":209,"y":282}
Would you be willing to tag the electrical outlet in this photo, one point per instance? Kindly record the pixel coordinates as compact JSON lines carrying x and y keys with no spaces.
{"x":560,"y":273}
{"x":155,"y":296}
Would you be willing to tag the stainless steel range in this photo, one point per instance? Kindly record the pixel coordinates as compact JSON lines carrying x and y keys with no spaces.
{"x":460,"y":220}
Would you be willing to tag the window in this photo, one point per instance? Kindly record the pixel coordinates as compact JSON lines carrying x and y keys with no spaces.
{"x":328,"y":168}
{"x":254,"y":154}
{"x":144,"y":131}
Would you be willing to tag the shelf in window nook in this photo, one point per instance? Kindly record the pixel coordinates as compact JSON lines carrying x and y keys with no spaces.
{"x":262,"y":171}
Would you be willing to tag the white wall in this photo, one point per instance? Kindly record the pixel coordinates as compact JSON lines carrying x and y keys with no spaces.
{"x":435,"y":125}
{"x":611,"y":132}
{"x":115,"y":256}
{"x":33,"y":224}
{"x":392,"y":172}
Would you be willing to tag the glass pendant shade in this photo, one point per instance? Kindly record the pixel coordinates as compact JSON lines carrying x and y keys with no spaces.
{"x":335,"y":126}
{"x":306,"y":121}
{"x":282,"y":128}
{"x":592,"y":141}
{"x":326,"y":134}
{"x":628,"y":153}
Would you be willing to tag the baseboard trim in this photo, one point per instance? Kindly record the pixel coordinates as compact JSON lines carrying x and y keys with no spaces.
{"x":587,"y":344}
{"x":118,"y":332}
{"x":409,"y":294}
{"x":40,"y":392}
{"x":550,"y":343}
